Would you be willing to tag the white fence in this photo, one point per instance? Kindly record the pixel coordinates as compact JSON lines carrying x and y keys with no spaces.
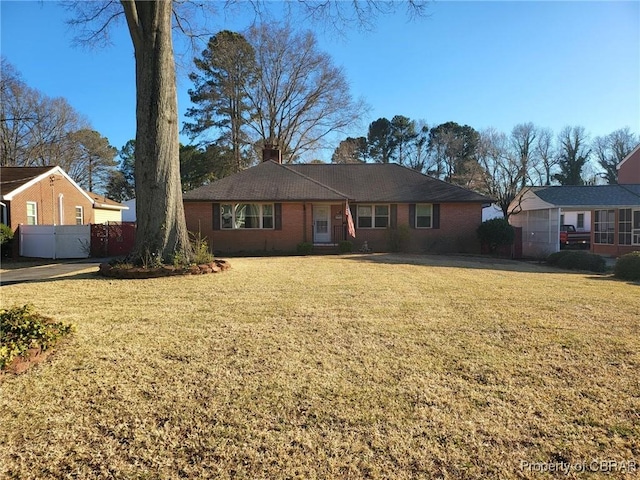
{"x":55,"y":241}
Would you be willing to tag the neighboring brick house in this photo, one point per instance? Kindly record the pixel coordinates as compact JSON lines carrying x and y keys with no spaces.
{"x":611,"y":213}
{"x":48,"y":196}
{"x":629,"y":168}
{"x":274,"y":207}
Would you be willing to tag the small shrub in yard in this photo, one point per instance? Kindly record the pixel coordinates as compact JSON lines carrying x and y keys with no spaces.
{"x":628,"y":267}
{"x":496,"y":232}
{"x":304,"y":248}
{"x":577,"y":260}
{"x":398,"y":238}
{"x":200,"y":249}
{"x":6,"y":233}
{"x":21,"y":328}
{"x":346,"y":246}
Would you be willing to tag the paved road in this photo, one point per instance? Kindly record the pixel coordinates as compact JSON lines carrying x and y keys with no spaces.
{"x":45,"y":272}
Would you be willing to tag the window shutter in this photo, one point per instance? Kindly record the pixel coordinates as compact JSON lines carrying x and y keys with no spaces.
{"x":393,"y":216}
{"x":277,"y":210}
{"x":216,"y":216}
{"x":436,"y":215}
{"x":412,"y":215}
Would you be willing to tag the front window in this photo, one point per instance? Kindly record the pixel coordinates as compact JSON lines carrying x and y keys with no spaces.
{"x":32,"y":213}
{"x":604,"y":226}
{"x":636,"y":227}
{"x":373,"y":216}
{"x":246,"y":215}
{"x":624,"y":226}
{"x":423,"y":215}
{"x":79,"y":216}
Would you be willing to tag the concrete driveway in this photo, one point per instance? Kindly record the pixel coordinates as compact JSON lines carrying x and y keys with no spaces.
{"x":55,"y":269}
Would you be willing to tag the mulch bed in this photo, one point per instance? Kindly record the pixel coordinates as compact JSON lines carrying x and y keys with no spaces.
{"x":116,"y":271}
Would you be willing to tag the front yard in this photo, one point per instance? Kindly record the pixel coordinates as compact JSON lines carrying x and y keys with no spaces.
{"x":380,"y":366}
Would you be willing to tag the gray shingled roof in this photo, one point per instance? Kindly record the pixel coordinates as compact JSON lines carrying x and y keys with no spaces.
{"x":267,"y":181}
{"x":270,"y":181}
{"x":590,"y":195}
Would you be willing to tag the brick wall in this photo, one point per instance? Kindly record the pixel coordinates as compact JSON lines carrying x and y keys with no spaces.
{"x":629,"y":172}
{"x":457,"y":232}
{"x":47,"y":200}
{"x":199,"y":216}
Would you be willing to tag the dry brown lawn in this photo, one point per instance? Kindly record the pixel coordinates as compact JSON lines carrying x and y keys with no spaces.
{"x":380,"y":366}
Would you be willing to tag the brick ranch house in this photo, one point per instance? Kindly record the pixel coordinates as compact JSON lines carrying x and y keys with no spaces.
{"x":274,"y":207}
{"x":48,"y":196}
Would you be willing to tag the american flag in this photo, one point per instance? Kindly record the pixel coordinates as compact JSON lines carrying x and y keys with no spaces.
{"x":350,"y":227}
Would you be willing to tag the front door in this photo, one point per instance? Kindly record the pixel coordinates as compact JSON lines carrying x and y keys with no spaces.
{"x":321,"y":215}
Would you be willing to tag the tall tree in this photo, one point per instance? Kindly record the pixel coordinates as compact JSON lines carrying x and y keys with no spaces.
{"x":573,"y":155}
{"x":404,"y":134}
{"x":121,"y":184}
{"x":200,"y":166}
{"x":503,"y":167}
{"x":418,"y":153}
{"x":523,"y":138}
{"x":225,"y":71}
{"x":381,"y":140}
{"x":351,"y":150}
{"x":611,"y":149}
{"x":95,"y":159}
{"x":301,"y":97}
{"x":161,"y":224}
{"x":35,"y":129}
{"x":453,"y":148}
{"x":544,"y":150}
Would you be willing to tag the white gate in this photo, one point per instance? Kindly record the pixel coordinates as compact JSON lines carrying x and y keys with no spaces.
{"x":55,"y":241}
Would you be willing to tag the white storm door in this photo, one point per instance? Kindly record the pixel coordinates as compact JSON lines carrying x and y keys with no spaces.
{"x":321,"y":233}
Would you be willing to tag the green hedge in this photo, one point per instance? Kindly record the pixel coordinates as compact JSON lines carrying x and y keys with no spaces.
{"x":496,"y":232}
{"x":577,"y":260}
{"x":628,"y":267}
{"x":304,"y":248}
{"x":346,"y":246}
{"x":6,"y":233}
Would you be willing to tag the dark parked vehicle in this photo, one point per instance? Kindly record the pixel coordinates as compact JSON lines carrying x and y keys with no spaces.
{"x":569,"y":237}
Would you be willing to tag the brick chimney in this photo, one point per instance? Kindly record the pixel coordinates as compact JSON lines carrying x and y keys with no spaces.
{"x":271,"y":152}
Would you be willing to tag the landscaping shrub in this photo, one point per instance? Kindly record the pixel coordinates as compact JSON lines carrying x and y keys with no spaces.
{"x":628,"y":267}
{"x":21,"y":328}
{"x":304,"y":248}
{"x":398,"y":238}
{"x":577,"y":260}
{"x":200,"y":249}
{"x":6,"y":233}
{"x":346,"y":246}
{"x":496,"y":232}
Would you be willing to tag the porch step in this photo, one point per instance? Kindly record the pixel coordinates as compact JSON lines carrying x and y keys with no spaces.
{"x":325,"y":248}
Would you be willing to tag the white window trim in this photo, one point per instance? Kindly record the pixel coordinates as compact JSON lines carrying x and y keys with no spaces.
{"x":81,"y":215}
{"x":233,"y":218}
{"x":373,"y":215}
{"x":61,"y":208}
{"x":430,"y":216}
{"x":35,"y":213}
{"x":597,"y":233}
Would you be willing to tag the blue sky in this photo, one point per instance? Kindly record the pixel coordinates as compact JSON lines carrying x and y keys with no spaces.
{"x":485,"y":64}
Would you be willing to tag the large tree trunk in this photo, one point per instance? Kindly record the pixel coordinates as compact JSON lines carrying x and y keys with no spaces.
{"x":161,"y":226}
